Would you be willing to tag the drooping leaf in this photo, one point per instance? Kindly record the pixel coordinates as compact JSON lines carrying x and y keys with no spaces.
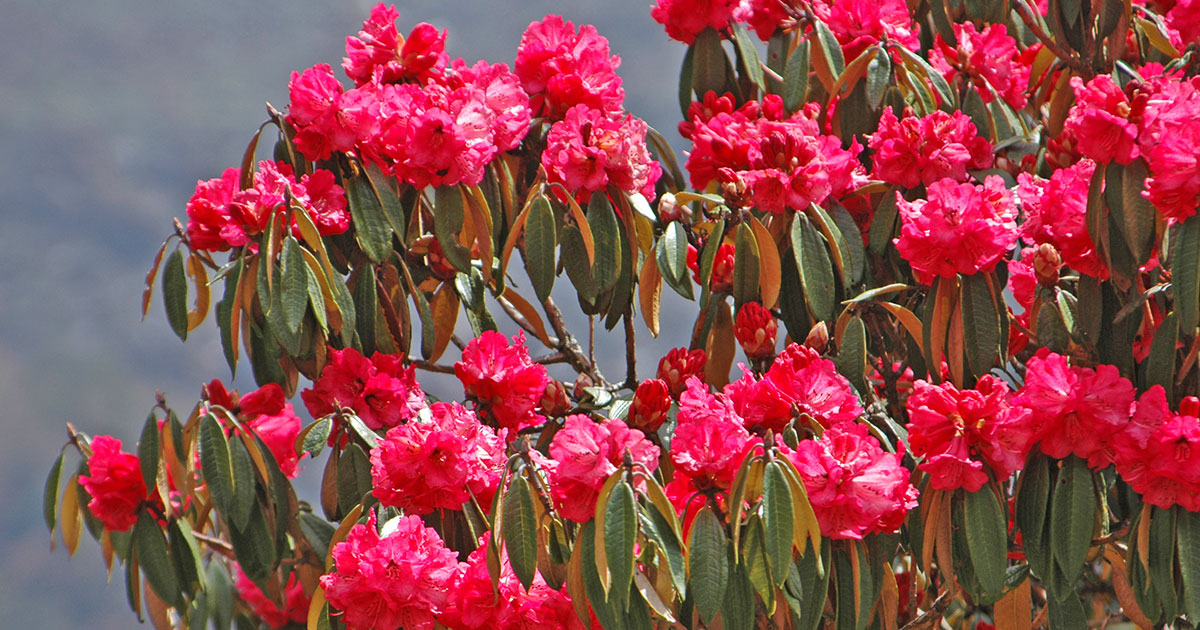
{"x":795,"y":78}
{"x":371,"y":227}
{"x":748,"y":54}
{"x":852,"y":354}
{"x":981,"y":323}
{"x":50,"y":494}
{"x":1185,"y":273}
{"x":778,"y":522}
{"x":294,"y":276}
{"x":519,"y":530}
{"x":708,"y":564}
{"x":185,"y":554}
{"x":745,"y":267}
{"x":737,"y":611}
{"x":353,"y":477}
{"x":672,"y":260}
{"x":620,"y":534}
{"x":174,"y":289}
{"x":816,"y":271}
{"x":603,"y":221}
{"x":155,"y":558}
{"x":541,"y":244}
{"x":1032,"y":511}
{"x":448,"y":223}
{"x":216,"y":464}
{"x":1188,"y":537}
{"x":709,"y":63}
{"x":1072,"y":520}
{"x":253,"y":546}
{"x":148,"y":451}
{"x":986,"y":530}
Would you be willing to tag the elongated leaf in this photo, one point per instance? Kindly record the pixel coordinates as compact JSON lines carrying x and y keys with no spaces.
{"x":778,"y":522}
{"x":795,"y":78}
{"x":1188,"y":537}
{"x":816,"y":272}
{"x":50,"y":494}
{"x":686,"y":73}
{"x":244,"y":498}
{"x":216,"y":464}
{"x":853,"y":251}
{"x":650,"y":292}
{"x":1134,"y":214}
{"x":448,"y":221}
{"x":174,"y":288}
{"x":672,"y":260}
{"x":371,"y":227}
{"x":185,"y":554}
{"x":879,"y":75}
{"x":737,"y":612}
{"x":751,"y":64}
{"x":519,"y":531}
{"x":1032,"y":509}
{"x":986,"y":525}
{"x":1160,"y":365}
{"x":574,"y":260}
{"x":981,"y":323}
{"x":155,"y":558}
{"x":254,"y":546}
{"x":745,"y":267}
{"x":1072,"y":519}
{"x":709,"y":64}
{"x":148,"y":452}
{"x":1185,"y":273}
{"x":883,"y":224}
{"x":294,"y":275}
{"x":541,"y":244}
{"x":852,"y":354}
{"x":620,"y":534}
{"x":827,"y":55}
{"x":603,"y":221}
{"x":659,"y":530}
{"x":353,"y":477}
{"x":1162,"y":553}
{"x":769,"y":265}
{"x":708,"y":564}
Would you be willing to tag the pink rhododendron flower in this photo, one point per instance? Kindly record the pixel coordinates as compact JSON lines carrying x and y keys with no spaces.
{"x":268,"y":414}
{"x":1184,"y":17}
{"x":1099,"y":121}
{"x":220,"y":216}
{"x":755,"y":330}
{"x":798,"y":382}
{"x":1056,"y":212}
{"x":1155,"y":452}
{"x":912,"y":151}
{"x":1077,"y":410}
{"x":400,"y":580}
{"x":589,"y":150}
{"x":710,"y":440}
{"x":651,"y":402}
{"x":115,"y":484}
{"x":380,"y":390}
{"x":855,"y":487}
{"x":989,"y":59}
{"x":296,"y":602}
{"x":684,"y":19}
{"x":858,"y":24}
{"x":721,"y":277}
{"x":1169,"y":130}
{"x":960,"y":228}
{"x":505,"y":384}
{"x":680,"y":364}
{"x":958,"y":432}
{"x":379,"y":53}
{"x":561,"y":67}
{"x":584,"y":454}
{"x":764,"y":17}
{"x":438,"y":464}
{"x":328,"y":119}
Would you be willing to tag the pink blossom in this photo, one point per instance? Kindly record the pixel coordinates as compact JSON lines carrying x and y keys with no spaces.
{"x":650,"y":405}
{"x":1077,"y":410}
{"x":589,"y":150}
{"x":439,"y":464}
{"x":379,"y":53}
{"x":960,"y":228}
{"x":960,"y":431}
{"x":764,"y":17}
{"x":1056,"y":212}
{"x":798,"y":382}
{"x":400,"y":580}
{"x":1184,"y":17}
{"x":989,"y":59}
{"x":684,"y":19}
{"x":721,"y":276}
{"x":858,"y":24}
{"x":279,"y":431}
{"x":680,"y":364}
{"x":1099,"y":121}
{"x":561,"y":67}
{"x":912,"y":151}
{"x":855,"y":487}
{"x":710,"y":440}
{"x":505,"y":384}
{"x":115,"y":484}
{"x":296,"y":602}
{"x":1169,"y":130}
{"x":380,"y":390}
{"x":1156,"y":451}
{"x":585,"y":454}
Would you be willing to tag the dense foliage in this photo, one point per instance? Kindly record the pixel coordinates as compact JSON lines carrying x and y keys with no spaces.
{"x":975,"y":222}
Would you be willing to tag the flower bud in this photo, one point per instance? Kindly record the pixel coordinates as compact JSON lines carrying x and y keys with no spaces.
{"x":1046,"y":261}
{"x":670,"y":210}
{"x":582,"y":382}
{"x":554,"y":399}
{"x":818,"y":337}
{"x":679,"y":364}
{"x":1189,"y":406}
{"x":650,"y":405}
{"x":755,"y":330}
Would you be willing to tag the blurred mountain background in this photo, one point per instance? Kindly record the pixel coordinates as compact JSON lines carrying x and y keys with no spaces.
{"x":109,"y":113}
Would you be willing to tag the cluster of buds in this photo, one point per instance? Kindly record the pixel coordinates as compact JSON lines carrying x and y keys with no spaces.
{"x":755,"y":329}
{"x":679,"y":364}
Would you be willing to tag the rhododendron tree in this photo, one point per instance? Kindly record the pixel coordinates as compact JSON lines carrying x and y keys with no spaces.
{"x":973,"y":225}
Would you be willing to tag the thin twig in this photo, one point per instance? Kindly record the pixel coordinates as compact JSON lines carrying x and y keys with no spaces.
{"x":1070,"y":59}
{"x":569,"y":346}
{"x":631,"y":380}
{"x":430,"y":366}
{"x":931,"y":617}
{"x":216,"y":544}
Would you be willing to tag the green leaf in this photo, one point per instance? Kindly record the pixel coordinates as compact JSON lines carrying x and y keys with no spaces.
{"x":541,"y":243}
{"x":50,"y":494}
{"x":371,"y":227}
{"x":294,"y":275}
{"x":737,"y":612}
{"x":778,"y":522}
{"x":244,"y":497}
{"x":748,"y":54}
{"x":1185,"y":273}
{"x":1032,"y":509}
{"x":317,"y":531}
{"x":709,"y":64}
{"x":808,"y":586}
{"x":389,"y":201}
{"x":175,"y":290}
{"x":253,"y":546}
{"x":830,"y":48}
{"x":745,"y":267}
{"x":148,"y":452}
{"x":575,"y":261}
{"x":883,"y":224}
{"x":620,"y":534}
{"x":1164,"y":540}
{"x":366,"y":304}
{"x":1189,"y":559}
{"x":606,"y":235}
{"x":519,"y":531}
{"x":848,"y":591}
{"x":155,"y":559}
{"x":1066,"y":613}
{"x":185,"y":553}
{"x":1133,"y":214}
{"x":852,"y":354}
{"x":754,"y":555}
{"x":216,"y":465}
{"x":220,"y":595}
{"x":654,"y":524}
{"x":795,"y":78}
{"x":981,"y":323}
{"x":686,"y":79}
{"x":815,"y":267}
{"x":672,"y":260}
{"x":354,"y":477}
{"x":225,"y":313}
{"x":879,"y":75}
{"x":708,"y":564}
{"x":448,"y":223}
{"x":1160,"y":365}
{"x":986,"y":526}
{"x":1072,"y":519}
{"x":852,"y":243}
{"x":470,"y":290}
{"x":316,"y":436}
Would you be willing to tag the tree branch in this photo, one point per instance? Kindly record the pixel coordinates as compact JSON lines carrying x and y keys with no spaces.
{"x":569,"y":346}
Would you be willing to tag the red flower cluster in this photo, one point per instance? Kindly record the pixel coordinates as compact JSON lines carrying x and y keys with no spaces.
{"x":960,"y":228}
{"x":988,"y":59}
{"x":379,"y":54}
{"x":684,"y":19}
{"x":400,"y":580}
{"x":438,"y":463}
{"x":1156,"y":452}
{"x":296,"y":602}
{"x":651,"y":402}
{"x":222,"y":216}
{"x":912,"y":151}
{"x":721,"y":278}
{"x":859,"y":24}
{"x":591,"y":149}
{"x":855,"y":487}
{"x":709,"y":443}
{"x":584,"y":454}
{"x":269,"y":415}
{"x":1056,"y":213}
{"x":680,"y":364}
{"x":755,"y":330}
{"x":505,"y":384}
{"x":798,"y":382}
{"x":380,"y":390}
{"x":779,"y":162}
{"x":115,"y":483}
{"x":561,"y":67}
{"x":959,"y":431}
{"x":1078,"y":411}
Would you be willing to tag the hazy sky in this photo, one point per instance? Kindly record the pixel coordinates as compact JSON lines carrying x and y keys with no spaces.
{"x":109,"y":113}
